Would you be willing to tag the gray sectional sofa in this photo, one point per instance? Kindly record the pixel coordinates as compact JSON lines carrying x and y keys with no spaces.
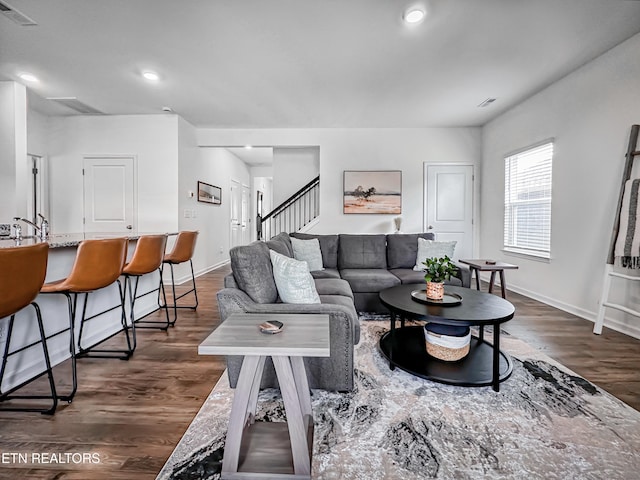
{"x":356,"y":269}
{"x":371,"y":263}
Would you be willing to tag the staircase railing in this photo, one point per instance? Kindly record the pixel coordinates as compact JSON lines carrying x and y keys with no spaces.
{"x":294,"y":213}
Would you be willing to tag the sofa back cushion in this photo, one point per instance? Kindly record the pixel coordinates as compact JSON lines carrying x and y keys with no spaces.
{"x":328,"y":247}
{"x":281,"y":243}
{"x":363,"y":251}
{"x":251,"y":265}
{"x":402,"y":248}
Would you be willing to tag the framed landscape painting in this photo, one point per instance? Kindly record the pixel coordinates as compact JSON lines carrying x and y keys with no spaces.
{"x":378,"y":191}
{"x":209,"y":193}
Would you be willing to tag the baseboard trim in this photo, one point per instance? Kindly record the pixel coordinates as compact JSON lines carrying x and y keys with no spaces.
{"x":211,"y":268}
{"x":612,"y":323}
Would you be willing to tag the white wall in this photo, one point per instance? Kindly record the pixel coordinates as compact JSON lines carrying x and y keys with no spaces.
{"x":13,"y":151}
{"x":37,"y":133}
{"x":365,"y":149}
{"x":152,"y":139}
{"x":293,"y":168}
{"x":589,"y":113}
{"x":216,"y":166}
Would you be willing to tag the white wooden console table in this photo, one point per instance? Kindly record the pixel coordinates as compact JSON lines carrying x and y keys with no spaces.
{"x":268,"y":449}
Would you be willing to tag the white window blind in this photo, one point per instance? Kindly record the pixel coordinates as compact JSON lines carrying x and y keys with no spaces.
{"x":527,"y":201}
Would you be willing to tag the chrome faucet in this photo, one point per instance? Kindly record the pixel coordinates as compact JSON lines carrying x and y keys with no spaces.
{"x":42,"y":229}
{"x":17,"y":229}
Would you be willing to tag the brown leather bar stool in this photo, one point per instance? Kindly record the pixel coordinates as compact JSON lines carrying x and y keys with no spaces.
{"x":98,"y":264}
{"x":182,"y":252}
{"x":147,"y":258}
{"x":22,"y":274}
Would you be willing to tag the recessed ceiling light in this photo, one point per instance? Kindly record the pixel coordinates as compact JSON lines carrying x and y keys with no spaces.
{"x":414,"y":15}
{"x":151,"y":76}
{"x":27,"y":77}
{"x":248,"y":147}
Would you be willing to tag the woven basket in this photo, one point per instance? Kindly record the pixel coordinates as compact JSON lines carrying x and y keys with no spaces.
{"x":447,"y":354}
{"x":433,"y":341}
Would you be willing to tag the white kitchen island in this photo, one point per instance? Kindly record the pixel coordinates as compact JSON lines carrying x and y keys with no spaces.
{"x":55,"y":313}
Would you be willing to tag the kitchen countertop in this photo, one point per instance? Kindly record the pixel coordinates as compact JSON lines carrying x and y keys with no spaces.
{"x":60,"y":240}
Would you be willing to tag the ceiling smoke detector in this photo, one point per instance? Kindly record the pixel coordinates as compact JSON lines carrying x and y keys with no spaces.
{"x":16,"y":16}
{"x":487,"y":102}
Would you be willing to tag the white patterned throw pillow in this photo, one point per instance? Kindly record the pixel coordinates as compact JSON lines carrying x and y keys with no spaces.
{"x":430,"y":249}
{"x":308,"y":251}
{"x":293,"y":280}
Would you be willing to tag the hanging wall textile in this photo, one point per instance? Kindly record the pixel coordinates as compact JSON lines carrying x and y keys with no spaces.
{"x":627,"y":249}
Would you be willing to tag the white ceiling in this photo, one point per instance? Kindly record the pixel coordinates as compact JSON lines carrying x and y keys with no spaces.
{"x":255,"y":156}
{"x":304,"y":63}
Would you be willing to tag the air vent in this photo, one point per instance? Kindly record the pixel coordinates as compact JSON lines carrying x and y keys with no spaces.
{"x":16,"y":16}
{"x":487,"y":102}
{"x":75,"y":104}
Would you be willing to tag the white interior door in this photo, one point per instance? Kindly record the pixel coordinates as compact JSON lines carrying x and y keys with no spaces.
{"x":449,"y":205}
{"x":245,"y":215}
{"x":236,"y":212}
{"x":109,"y":196}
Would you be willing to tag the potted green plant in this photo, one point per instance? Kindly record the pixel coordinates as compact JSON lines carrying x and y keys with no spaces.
{"x":437,"y":270}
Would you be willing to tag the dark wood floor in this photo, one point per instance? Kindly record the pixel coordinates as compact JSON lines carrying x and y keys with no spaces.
{"x":132,"y":414}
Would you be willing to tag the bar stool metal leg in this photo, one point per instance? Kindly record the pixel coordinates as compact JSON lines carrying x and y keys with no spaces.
{"x":133,"y":296}
{"x":107,"y":353}
{"x":49,"y":372}
{"x":183,"y":250}
{"x":193,"y":289}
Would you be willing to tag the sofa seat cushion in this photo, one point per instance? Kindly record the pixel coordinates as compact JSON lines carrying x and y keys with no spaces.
{"x":333,"y":286}
{"x":369,"y":279}
{"x":408,"y":275}
{"x":362,"y":251}
{"x":326,"y":273}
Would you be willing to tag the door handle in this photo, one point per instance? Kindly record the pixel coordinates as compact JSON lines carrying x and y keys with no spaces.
{"x":430,"y":227}
{"x":129,"y":227}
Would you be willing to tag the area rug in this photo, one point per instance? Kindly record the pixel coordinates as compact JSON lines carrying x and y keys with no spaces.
{"x":545,"y":423}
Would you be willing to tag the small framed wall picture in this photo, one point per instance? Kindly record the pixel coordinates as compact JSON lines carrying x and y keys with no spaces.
{"x":209,"y":193}
{"x":372,"y":191}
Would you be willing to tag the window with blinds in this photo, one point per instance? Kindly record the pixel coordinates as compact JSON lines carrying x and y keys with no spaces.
{"x":527,"y":201}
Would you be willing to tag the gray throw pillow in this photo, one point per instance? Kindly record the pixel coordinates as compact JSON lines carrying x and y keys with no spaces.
{"x":252,"y":270}
{"x":293,"y":280}
{"x":308,"y":251}
{"x":431,"y":249}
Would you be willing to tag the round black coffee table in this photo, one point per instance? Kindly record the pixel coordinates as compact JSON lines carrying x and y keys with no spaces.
{"x":404,"y":347}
